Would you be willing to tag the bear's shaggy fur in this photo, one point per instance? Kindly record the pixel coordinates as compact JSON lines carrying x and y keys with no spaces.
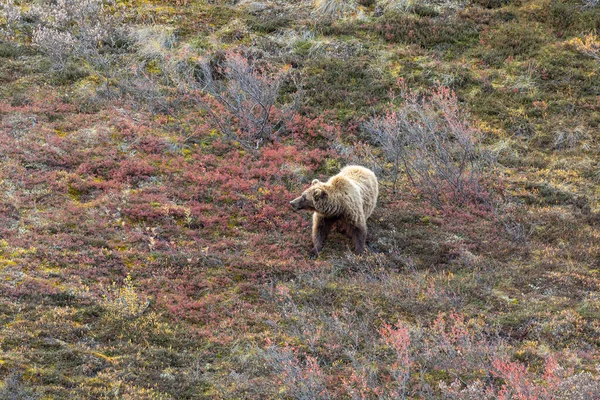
{"x":348,"y":198}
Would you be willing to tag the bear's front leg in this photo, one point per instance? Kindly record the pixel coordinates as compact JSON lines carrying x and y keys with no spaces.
{"x":359,"y":237}
{"x":321,"y":228}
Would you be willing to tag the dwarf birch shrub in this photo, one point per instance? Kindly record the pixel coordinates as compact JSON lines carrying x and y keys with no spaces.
{"x":430,"y":139}
{"x":12,"y":17}
{"x":239,"y":95}
{"x":66,"y":29}
{"x":13,"y":388}
{"x":302,"y":380}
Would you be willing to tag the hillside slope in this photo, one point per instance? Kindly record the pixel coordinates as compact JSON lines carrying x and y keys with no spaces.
{"x":149,"y":149}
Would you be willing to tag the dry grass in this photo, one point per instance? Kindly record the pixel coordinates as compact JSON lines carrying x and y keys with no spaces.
{"x":333,"y":9}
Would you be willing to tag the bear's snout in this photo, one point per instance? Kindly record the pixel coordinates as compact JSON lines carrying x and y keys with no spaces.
{"x":302,"y":203}
{"x":296,"y":203}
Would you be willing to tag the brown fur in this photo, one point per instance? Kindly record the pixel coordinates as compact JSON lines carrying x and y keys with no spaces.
{"x":347,"y":198}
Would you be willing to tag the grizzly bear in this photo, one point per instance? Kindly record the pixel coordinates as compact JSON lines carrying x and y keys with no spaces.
{"x":347,"y":198}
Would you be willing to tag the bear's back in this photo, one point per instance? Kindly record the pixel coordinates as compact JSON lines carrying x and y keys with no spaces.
{"x":366,"y":181}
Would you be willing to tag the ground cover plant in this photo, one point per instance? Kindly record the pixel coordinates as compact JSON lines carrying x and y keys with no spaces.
{"x":149,"y":149}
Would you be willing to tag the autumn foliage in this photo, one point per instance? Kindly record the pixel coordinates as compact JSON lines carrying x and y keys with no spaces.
{"x":149,"y":151}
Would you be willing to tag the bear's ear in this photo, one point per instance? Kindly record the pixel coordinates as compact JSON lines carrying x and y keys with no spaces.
{"x":314,"y":182}
{"x":319,"y":194}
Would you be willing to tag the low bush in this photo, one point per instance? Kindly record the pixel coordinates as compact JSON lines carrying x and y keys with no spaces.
{"x":431,"y":140}
{"x":513,"y":39}
{"x":429,"y":31}
{"x":67,"y":29}
{"x":589,"y":45}
{"x":239,"y":94}
{"x":13,"y":388}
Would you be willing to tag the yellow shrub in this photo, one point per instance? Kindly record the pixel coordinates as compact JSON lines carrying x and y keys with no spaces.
{"x":124,"y":302}
{"x":590,"y":45}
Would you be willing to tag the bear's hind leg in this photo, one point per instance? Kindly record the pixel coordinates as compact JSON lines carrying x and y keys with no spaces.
{"x":359,"y":237}
{"x":321,"y":228}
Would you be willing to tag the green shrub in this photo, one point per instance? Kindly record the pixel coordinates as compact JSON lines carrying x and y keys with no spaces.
{"x":492,"y":3}
{"x":344,"y":84}
{"x":513,"y":39}
{"x":267,"y":23}
{"x":10,"y":50}
{"x":566,"y":17}
{"x":428,"y":31}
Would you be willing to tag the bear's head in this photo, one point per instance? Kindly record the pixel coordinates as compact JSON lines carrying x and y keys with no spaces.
{"x":313,"y":199}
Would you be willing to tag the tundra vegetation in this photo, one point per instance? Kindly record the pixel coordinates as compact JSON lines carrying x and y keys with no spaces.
{"x":149,"y":149}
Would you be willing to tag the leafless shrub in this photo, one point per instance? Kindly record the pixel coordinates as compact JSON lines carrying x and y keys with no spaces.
{"x":57,"y":45}
{"x":558,"y":385}
{"x":303,"y":380}
{"x":582,"y":386}
{"x":570,"y":138}
{"x":587,"y":4}
{"x":475,"y":390}
{"x":67,"y":29}
{"x":456,"y":344}
{"x":14,"y":389}
{"x":516,"y":230}
{"x":12,"y":16}
{"x":430,"y":140}
{"x":239,"y":95}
